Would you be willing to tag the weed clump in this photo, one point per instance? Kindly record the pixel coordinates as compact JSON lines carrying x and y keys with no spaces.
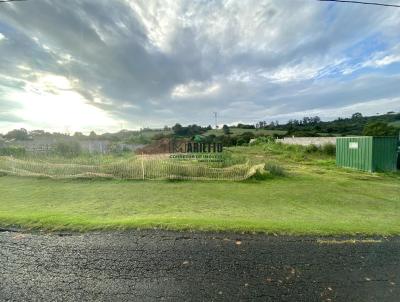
{"x":329,"y":149}
{"x":269,"y":171}
{"x":12,"y":151}
{"x":274,"y":169}
{"x":311,"y":149}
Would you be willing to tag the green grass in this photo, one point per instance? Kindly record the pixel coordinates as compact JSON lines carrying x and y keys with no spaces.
{"x":314,"y":197}
{"x":395,"y":124}
{"x":149,"y":133}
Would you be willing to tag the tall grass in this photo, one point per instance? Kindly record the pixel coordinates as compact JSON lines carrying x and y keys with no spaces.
{"x":274,"y":169}
{"x":299,"y":152}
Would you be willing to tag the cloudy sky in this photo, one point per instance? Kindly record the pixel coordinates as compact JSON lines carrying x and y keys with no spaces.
{"x":106,"y":65}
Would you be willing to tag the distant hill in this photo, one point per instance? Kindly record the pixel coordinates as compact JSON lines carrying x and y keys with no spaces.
{"x":313,"y":126}
{"x":239,"y":131}
{"x":308,"y":126}
{"x":395,"y":124}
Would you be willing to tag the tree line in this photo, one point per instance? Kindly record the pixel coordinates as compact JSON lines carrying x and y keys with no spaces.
{"x":357,"y":124}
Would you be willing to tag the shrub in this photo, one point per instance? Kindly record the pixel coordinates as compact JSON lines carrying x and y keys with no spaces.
{"x":274,"y":169}
{"x":329,"y":149}
{"x":12,"y":151}
{"x":379,"y":129}
{"x":241,"y":141}
{"x":312,"y":149}
{"x":247,"y":136}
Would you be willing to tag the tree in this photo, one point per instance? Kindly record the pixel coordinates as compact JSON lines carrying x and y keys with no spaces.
{"x":356,"y":116}
{"x":247,"y":136}
{"x":177,"y":129}
{"x":226,"y":130}
{"x":379,"y":129}
{"x":193,"y":129}
{"x":244,"y":126}
{"x":92,"y":134}
{"x":190,"y":130}
{"x":18,"y":134}
{"x":78,"y":135}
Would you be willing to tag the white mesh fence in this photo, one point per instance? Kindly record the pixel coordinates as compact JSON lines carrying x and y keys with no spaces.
{"x":138,"y":167}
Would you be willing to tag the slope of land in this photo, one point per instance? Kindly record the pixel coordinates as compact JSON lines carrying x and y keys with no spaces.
{"x":314,"y":197}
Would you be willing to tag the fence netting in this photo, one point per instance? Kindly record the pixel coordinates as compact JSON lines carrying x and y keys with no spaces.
{"x":146,"y":167}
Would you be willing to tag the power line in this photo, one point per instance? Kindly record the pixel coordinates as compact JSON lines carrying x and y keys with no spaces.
{"x":361,"y":2}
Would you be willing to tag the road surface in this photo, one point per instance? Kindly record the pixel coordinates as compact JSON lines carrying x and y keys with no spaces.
{"x":154,"y":265}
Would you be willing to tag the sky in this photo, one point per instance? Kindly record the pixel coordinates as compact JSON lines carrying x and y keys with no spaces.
{"x":82,"y":65}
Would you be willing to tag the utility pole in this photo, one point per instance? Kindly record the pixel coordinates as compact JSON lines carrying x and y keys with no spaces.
{"x":216,"y":119}
{"x":67,"y":130}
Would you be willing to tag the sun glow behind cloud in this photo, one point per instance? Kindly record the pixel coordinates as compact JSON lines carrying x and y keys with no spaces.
{"x":149,"y":63}
{"x":52,"y":102}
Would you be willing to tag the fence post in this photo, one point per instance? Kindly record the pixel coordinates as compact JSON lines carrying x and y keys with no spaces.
{"x":142,"y":166}
{"x":12,"y":164}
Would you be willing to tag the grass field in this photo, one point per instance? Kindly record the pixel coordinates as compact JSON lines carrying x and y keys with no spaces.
{"x":314,"y":198}
{"x":149,"y":133}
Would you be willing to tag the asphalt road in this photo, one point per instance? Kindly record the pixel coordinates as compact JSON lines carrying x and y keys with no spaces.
{"x":170,"y":266}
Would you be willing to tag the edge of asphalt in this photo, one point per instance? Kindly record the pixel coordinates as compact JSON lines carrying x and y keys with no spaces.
{"x":221,"y":235}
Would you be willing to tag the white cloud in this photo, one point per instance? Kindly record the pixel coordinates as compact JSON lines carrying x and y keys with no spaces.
{"x":384,"y":58}
{"x":377,"y":106}
{"x":2,"y":37}
{"x":141,"y":61}
{"x":159,"y":18}
{"x":195,"y":89}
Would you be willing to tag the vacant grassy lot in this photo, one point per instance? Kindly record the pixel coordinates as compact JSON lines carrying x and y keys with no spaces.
{"x":314,"y":198}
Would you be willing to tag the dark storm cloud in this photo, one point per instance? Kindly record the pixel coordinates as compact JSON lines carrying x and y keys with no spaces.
{"x":153,"y":63}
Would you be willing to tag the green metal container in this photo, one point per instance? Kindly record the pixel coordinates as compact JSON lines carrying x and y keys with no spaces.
{"x":367,"y":153}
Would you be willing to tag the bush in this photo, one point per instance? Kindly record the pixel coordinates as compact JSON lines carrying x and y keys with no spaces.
{"x":12,"y":151}
{"x":329,"y":149}
{"x":274,"y":169}
{"x":241,"y":141}
{"x":312,"y":149}
{"x":379,"y":129}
